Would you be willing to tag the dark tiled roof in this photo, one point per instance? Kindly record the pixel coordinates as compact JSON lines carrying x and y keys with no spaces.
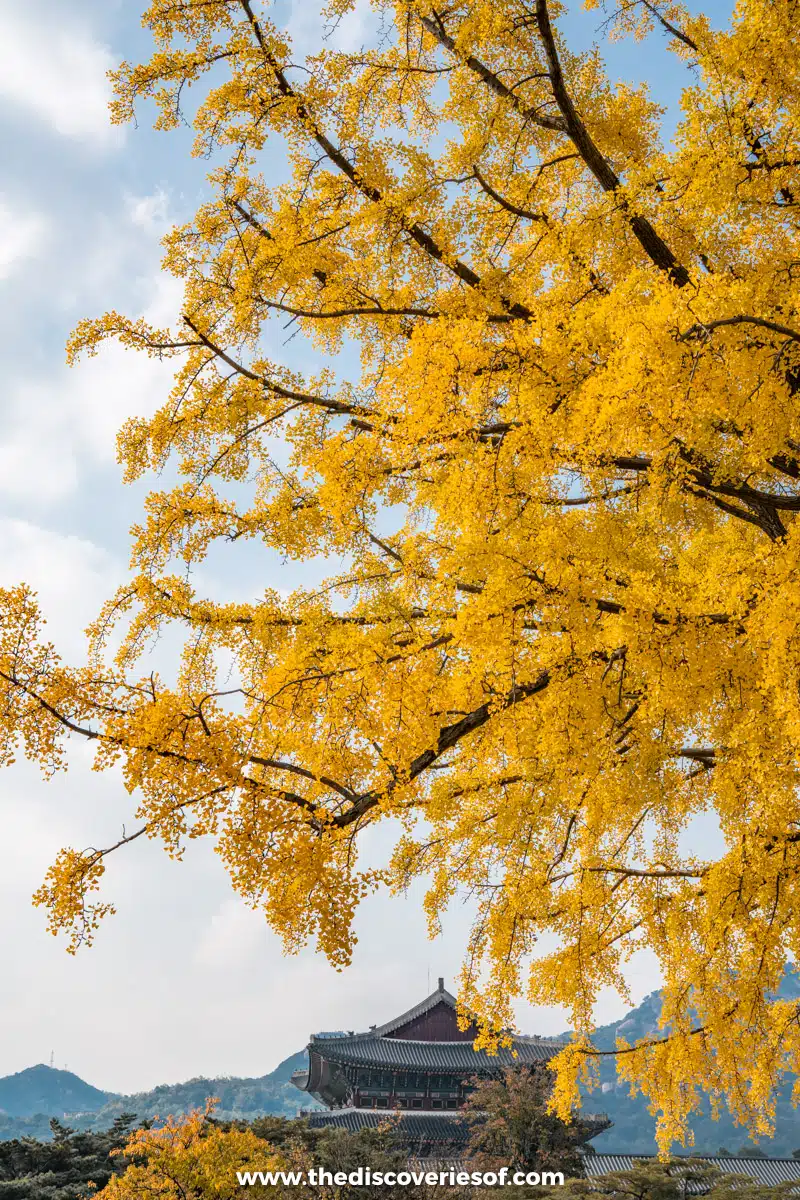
{"x":766,"y":1171}
{"x":370,"y":1050}
{"x":414,"y":1126}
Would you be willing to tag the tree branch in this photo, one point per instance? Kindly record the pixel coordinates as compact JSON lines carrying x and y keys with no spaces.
{"x":277,"y":764}
{"x":335,"y":406}
{"x":671,"y":29}
{"x":362,"y":311}
{"x":419,"y":235}
{"x":653,"y":245}
{"x":506,"y":204}
{"x":492,"y":81}
{"x":449,"y":736}
{"x":704,"y":328}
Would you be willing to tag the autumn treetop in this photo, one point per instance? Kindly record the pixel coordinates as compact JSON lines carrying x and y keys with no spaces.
{"x":560,"y":462}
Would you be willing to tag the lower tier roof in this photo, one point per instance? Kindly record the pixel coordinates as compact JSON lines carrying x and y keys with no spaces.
{"x":449,"y":1127}
{"x":441,"y":1126}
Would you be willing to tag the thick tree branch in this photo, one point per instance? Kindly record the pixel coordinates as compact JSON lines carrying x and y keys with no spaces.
{"x":671,"y":29}
{"x":415,"y":231}
{"x":449,"y":736}
{"x":277,"y":764}
{"x":571,"y":124}
{"x":317,"y":314}
{"x":531,"y":115}
{"x":704,"y":328}
{"x":634,"y":873}
{"x":651,"y":242}
{"x":526,"y":213}
{"x":707,"y":754}
{"x":265,"y":233}
{"x":72,"y":726}
{"x":761,"y":509}
{"x":334,"y":406}
{"x":626,"y":872}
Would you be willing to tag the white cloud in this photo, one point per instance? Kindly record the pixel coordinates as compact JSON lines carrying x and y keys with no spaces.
{"x":58,"y":421}
{"x":60,"y":424}
{"x":21,"y":237}
{"x":56,"y":72}
{"x":149,"y":212}
{"x":233,"y":937}
{"x":71,"y":575}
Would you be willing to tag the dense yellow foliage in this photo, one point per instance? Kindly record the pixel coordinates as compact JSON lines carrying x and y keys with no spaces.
{"x":190,"y":1158}
{"x":562,"y":482}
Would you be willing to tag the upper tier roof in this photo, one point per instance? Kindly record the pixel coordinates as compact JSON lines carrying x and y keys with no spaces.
{"x":369,"y":1050}
{"x":389,"y":1046}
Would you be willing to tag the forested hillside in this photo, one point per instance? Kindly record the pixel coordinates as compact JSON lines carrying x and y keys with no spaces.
{"x":632,"y":1131}
{"x":68,"y":1165}
{"x":63,"y":1095}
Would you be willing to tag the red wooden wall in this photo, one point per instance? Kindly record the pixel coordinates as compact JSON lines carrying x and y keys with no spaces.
{"x":438,"y":1024}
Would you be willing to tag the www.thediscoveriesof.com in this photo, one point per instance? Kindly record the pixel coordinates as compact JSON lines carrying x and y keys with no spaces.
{"x":365,"y":1177}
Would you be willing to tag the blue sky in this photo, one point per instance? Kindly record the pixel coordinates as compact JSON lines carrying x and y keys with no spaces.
{"x":184,"y":980}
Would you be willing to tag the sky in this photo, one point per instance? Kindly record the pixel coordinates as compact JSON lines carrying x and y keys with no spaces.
{"x":184,"y":980}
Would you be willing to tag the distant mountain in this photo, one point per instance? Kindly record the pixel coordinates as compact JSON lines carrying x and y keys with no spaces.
{"x":43,"y":1089}
{"x":286,"y":1069}
{"x":30,"y":1098}
{"x":244,"y":1098}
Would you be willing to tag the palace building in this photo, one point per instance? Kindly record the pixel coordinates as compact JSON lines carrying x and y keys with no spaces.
{"x":420,"y":1065}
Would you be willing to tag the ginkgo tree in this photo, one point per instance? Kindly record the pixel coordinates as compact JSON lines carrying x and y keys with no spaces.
{"x":562,"y":474}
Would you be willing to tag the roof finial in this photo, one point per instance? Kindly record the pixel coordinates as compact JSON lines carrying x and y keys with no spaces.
{"x":441,"y":983}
